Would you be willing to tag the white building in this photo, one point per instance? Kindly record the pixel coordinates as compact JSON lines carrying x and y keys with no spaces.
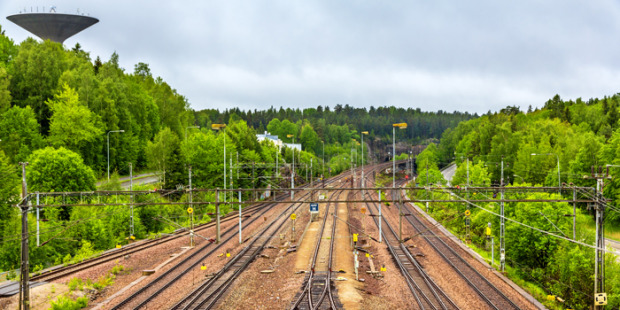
{"x":270,"y":137}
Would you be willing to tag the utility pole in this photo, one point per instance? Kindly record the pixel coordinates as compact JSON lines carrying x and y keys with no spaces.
{"x":599,"y":260}
{"x":191,"y":214}
{"x":25,"y":270}
{"x":253,"y":181}
{"x":502,"y":225}
{"x":217,"y":216}
{"x":131,"y":227}
{"x":311,"y":180}
{"x":240,"y":227}
{"x":380,"y":217}
{"x":38,"y":243}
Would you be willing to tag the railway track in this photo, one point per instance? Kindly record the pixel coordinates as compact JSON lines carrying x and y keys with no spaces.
{"x":64,"y":271}
{"x":488,"y":292}
{"x":150,"y":291}
{"x":425,"y":291}
{"x":318,"y":284}
{"x":141,"y":297}
{"x":208,"y":294}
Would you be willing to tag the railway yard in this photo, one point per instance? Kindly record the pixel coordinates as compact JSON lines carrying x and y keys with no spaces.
{"x":290,"y":258}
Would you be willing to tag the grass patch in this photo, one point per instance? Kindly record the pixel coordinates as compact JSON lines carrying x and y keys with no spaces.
{"x":611,"y":232}
{"x":64,"y":302}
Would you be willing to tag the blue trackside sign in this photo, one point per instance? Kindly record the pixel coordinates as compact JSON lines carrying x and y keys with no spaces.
{"x":314,"y":207}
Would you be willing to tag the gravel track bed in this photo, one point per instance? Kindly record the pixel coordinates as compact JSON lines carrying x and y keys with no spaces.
{"x":390,"y":291}
{"x":485,"y":271}
{"x":275,"y":290}
{"x":181,"y":287}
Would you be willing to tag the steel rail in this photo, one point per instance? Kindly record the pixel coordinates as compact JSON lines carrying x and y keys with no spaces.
{"x":199,"y":298}
{"x":500,"y":297}
{"x":424,"y":286}
{"x":64,"y":271}
{"x":307,"y":291}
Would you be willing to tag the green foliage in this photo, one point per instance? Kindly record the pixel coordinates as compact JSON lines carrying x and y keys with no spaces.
{"x":75,"y":284}
{"x":72,"y":124}
{"x":58,"y":170}
{"x":66,"y":303}
{"x":5,"y":94}
{"x":478,"y":175}
{"x":9,"y":191}
{"x":20,"y":133}
{"x":35,"y":72}
{"x":8,"y":50}
{"x":160,"y":153}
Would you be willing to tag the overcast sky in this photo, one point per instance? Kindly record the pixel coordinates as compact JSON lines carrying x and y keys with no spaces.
{"x":435,"y":55}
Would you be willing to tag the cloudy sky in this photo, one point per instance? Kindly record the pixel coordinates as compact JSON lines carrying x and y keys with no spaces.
{"x":435,"y":55}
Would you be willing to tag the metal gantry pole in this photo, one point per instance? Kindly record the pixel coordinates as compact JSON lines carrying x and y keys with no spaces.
{"x":380,"y":218}
{"x":224,"y":132}
{"x":217,"y":216}
{"x":362,"y":181}
{"x":38,"y":219}
{"x":559,"y":183}
{"x":240,"y":225}
{"x":293,"y":172}
{"x":574,"y":214}
{"x":232,"y":194}
{"x":131,"y":227}
{"x":191,"y":214}
{"x":502,"y":227}
{"x":400,"y":217}
{"x":393,"y":157}
{"x":599,"y":264}
{"x":25,"y":270}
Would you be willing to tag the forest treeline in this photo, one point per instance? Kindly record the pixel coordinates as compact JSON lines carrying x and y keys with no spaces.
{"x":578,"y":135}
{"x":324,"y":120}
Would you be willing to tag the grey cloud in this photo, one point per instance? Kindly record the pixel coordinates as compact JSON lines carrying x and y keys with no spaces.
{"x":457,"y":55}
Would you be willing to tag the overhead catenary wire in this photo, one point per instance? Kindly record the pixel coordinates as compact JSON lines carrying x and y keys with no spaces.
{"x":529,"y":226}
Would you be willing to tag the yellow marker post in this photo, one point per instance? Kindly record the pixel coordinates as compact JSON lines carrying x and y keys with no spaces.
{"x":118,"y":246}
{"x":293,"y":218}
{"x":367,"y":255}
{"x":203,"y":267}
{"x":355,"y":237}
{"x":488,"y":231}
{"x":227,"y":254}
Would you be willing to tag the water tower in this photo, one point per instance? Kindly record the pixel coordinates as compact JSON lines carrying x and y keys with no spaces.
{"x":54,"y":26}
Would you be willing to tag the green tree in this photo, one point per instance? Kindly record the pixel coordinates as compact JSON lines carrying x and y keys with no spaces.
{"x":159,"y":153}
{"x":35,"y":73}
{"x":529,"y":247}
{"x":20,"y":133}
{"x":8,"y":50}
{"x":478,"y":175}
{"x":309,"y":139}
{"x":58,"y":170}
{"x":5,"y":94}
{"x":72,"y":124}
{"x":9,"y":190}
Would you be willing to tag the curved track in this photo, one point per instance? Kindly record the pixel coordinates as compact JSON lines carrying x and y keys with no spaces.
{"x":495,"y":298}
